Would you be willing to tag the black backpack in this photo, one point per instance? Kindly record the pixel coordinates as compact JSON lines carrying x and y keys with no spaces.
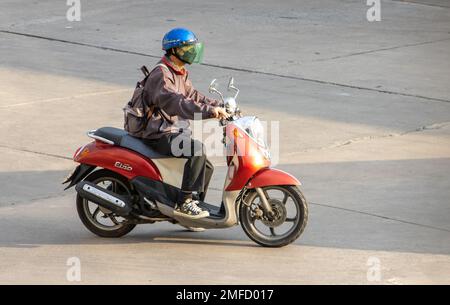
{"x":136,"y":112}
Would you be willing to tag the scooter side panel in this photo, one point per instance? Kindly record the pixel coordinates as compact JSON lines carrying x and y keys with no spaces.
{"x":171,"y":170}
{"x":117,"y":159}
{"x":245,"y":159}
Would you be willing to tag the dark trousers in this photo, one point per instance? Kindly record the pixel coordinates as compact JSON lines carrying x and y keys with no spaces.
{"x":198,"y":169}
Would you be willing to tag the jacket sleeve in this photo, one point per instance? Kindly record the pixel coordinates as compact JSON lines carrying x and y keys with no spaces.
{"x":163,"y":95}
{"x":199,"y":97}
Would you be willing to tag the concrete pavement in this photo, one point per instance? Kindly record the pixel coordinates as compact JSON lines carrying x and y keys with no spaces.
{"x":364,"y":112}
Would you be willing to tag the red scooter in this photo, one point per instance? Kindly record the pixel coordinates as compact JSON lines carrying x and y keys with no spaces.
{"x":121,"y":182}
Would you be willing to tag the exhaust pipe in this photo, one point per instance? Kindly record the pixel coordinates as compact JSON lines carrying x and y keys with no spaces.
{"x":104,"y":198}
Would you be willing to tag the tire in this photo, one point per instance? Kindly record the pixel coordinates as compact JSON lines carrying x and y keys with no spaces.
{"x":300,"y":220}
{"x":83,"y":206}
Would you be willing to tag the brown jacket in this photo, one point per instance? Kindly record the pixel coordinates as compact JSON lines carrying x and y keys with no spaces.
{"x":171,"y":91}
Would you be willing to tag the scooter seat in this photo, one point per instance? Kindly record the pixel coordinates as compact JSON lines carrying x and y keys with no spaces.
{"x":121,"y":138}
{"x":110,"y":133}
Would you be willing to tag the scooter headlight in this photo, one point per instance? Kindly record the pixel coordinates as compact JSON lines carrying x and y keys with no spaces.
{"x":255,"y":129}
{"x":259,"y":136}
{"x":257,"y":132}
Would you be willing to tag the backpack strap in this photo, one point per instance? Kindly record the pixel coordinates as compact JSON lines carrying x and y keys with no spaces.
{"x":167,"y":68}
{"x":157,"y":109}
{"x":152,"y":109}
{"x":162,"y":65}
{"x":145,"y":71}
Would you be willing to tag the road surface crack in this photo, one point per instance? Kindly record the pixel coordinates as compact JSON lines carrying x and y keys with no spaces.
{"x":381,"y":49}
{"x":434,"y":126}
{"x":419,"y":3}
{"x":35,"y":152}
{"x":65,"y":98}
{"x":33,"y":200}
{"x":380,"y":216}
{"x":243,"y":70}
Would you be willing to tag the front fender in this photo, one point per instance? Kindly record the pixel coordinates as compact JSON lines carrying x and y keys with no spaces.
{"x":271,"y":176}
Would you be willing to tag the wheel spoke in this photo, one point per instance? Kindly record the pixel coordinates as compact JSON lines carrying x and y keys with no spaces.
{"x":113,"y":219}
{"x":95,"y":214}
{"x":285,"y":198}
{"x":272,"y":231}
{"x":290,"y":219}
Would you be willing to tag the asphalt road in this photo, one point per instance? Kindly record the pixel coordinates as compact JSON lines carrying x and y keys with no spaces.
{"x":364,"y":115}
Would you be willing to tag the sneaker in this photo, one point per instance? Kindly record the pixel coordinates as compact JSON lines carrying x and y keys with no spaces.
{"x":190,"y":209}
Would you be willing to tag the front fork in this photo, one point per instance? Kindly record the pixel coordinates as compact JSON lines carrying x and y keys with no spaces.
{"x":266,"y":207}
{"x":264,"y":202}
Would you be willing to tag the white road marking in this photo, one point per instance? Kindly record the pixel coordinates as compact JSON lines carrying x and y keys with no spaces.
{"x":59,"y":99}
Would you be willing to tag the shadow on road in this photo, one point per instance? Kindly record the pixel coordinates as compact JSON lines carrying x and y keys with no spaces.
{"x":404,"y":211}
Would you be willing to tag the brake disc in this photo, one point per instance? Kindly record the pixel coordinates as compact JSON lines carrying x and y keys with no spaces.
{"x":279,"y":214}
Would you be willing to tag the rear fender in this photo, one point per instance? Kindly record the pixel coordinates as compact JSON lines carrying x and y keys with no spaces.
{"x":80,"y":172}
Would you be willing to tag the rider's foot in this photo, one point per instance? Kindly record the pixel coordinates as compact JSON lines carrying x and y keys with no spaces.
{"x":190,"y":209}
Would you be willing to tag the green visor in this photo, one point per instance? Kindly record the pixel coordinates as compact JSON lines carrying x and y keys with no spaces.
{"x":192,"y":53}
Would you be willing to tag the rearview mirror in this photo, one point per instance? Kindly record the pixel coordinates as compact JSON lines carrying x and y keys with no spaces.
{"x":231,"y":83}
{"x":212,"y":86}
{"x":231,"y":87}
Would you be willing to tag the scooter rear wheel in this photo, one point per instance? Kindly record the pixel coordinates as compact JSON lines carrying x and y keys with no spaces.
{"x":285,"y":226}
{"x":101,"y":221}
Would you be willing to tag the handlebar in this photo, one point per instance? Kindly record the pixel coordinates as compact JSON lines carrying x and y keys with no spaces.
{"x":229,"y":103}
{"x":234,"y":116}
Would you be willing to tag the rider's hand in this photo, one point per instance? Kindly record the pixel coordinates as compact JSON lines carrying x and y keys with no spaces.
{"x":220,"y":113}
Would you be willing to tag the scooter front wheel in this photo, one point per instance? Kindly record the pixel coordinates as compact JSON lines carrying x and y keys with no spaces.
{"x":284,"y":226}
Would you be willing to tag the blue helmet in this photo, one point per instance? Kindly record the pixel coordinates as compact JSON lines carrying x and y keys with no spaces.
{"x":178,"y":37}
{"x":185,"y":45}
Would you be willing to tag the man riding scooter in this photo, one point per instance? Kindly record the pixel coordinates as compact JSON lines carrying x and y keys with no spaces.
{"x":170,"y":90}
{"x":121,"y":182}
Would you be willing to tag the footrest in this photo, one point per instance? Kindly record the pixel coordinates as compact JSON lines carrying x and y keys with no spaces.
{"x":213,"y":210}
